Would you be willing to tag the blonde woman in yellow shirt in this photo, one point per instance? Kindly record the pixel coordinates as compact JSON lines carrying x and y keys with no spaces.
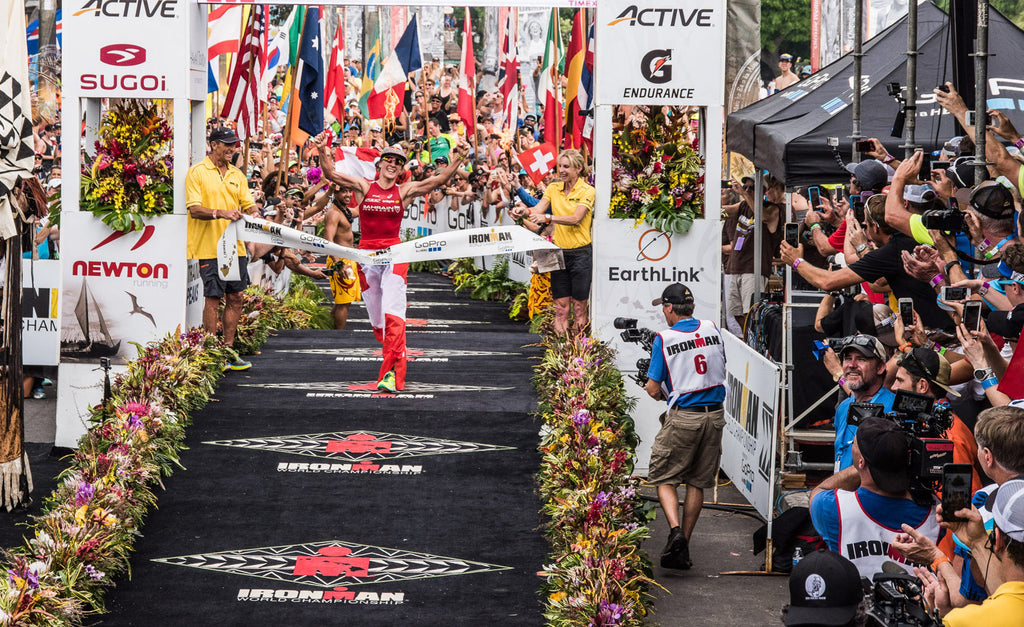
{"x":568,"y":204}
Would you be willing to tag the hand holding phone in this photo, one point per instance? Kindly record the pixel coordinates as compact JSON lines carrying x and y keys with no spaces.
{"x":792,"y":234}
{"x":814,"y":197}
{"x":972,"y":315}
{"x":865,"y":146}
{"x":956,"y":490}
{"x":906,"y":311}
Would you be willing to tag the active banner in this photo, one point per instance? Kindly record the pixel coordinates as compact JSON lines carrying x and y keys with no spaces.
{"x":665,"y":52}
{"x":751,"y":419}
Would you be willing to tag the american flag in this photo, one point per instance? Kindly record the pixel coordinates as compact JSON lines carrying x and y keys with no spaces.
{"x":242,"y":102}
{"x":508,"y":74}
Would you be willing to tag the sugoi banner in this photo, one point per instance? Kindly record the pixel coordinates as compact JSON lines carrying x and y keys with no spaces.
{"x":751,"y":419}
{"x":664,"y":52}
{"x":129,"y":48}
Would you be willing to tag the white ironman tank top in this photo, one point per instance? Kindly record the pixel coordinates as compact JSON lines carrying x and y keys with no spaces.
{"x":695,"y":360}
{"x":867,"y":543}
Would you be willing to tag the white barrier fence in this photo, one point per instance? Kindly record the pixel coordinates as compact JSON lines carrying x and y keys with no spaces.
{"x":751,"y":414}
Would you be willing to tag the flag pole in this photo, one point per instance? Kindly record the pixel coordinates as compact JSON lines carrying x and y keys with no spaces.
{"x":286,"y":139}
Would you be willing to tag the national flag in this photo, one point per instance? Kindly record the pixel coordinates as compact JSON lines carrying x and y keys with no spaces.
{"x":308,"y":95}
{"x":277,"y":55}
{"x":548,"y":85}
{"x":389,"y":88}
{"x":242,"y":103}
{"x":467,"y":82}
{"x":223,"y":25}
{"x":371,"y":69}
{"x":574,"y":61}
{"x":294,"y":26}
{"x":355,"y":161}
{"x":336,"y":85}
{"x":538,"y":161}
{"x":32,"y":32}
{"x":211,"y":79}
{"x":587,"y":92}
{"x":16,"y":145}
{"x":508,"y":74}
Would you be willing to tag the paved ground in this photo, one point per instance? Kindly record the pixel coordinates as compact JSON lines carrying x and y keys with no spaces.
{"x":700,"y":596}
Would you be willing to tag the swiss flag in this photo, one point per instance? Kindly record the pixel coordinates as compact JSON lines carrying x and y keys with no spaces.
{"x":538,"y":161}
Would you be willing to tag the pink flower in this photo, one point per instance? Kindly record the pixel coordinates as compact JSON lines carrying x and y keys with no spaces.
{"x":141,"y":179}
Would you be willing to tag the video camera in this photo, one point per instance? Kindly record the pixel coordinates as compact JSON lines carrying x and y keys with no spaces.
{"x":895,"y":599}
{"x":924,"y":424}
{"x":643,"y":337}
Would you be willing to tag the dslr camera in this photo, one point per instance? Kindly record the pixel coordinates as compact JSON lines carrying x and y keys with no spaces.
{"x":945,"y":220}
{"x":644,"y":337}
{"x":895,"y":599}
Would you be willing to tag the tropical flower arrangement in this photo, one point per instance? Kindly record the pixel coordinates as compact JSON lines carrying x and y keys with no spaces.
{"x":83,"y":539}
{"x":130,"y":177}
{"x":657,"y":173}
{"x":598,"y":575}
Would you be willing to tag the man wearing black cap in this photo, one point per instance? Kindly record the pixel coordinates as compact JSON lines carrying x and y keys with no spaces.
{"x":687,"y":370}
{"x":924,"y":371}
{"x":824,"y":589}
{"x":216,"y":193}
{"x":860,"y":510}
{"x":382,"y":203}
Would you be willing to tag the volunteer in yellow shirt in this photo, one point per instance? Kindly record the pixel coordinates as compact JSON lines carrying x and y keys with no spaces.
{"x":216,"y":193}
{"x":571,"y":202}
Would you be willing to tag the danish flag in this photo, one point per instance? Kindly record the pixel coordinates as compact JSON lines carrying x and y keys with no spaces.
{"x":538,"y":161}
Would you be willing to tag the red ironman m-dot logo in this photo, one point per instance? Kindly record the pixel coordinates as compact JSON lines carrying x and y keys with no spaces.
{"x":123,"y":55}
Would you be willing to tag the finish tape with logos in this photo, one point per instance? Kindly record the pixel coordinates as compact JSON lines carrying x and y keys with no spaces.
{"x":485,"y":241}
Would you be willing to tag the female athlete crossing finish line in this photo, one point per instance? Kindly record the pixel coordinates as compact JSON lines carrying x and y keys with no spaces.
{"x":382,"y":203}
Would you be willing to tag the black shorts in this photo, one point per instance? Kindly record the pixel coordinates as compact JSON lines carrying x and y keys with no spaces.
{"x":574,"y":281}
{"x":216,"y":287}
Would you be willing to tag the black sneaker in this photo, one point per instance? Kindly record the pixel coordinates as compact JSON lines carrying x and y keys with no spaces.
{"x":677,"y":551}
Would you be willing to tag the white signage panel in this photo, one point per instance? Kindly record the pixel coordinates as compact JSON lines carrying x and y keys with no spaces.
{"x":751,"y":418}
{"x":120,"y":288}
{"x":664,"y":52}
{"x":79,"y":388}
{"x":40,"y":302}
{"x":128,"y":49}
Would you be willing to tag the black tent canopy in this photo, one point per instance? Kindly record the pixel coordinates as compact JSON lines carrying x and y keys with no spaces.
{"x":787,"y":132}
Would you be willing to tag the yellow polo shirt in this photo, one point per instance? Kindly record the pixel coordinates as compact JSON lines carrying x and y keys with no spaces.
{"x":563,"y":204}
{"x":205,"y":187}
{"x":1003,"y":609}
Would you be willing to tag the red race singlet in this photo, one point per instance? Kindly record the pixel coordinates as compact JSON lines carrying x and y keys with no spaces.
{"x":380,"y":217}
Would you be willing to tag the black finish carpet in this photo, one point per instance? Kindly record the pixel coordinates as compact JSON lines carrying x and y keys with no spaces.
{"x":310,"y":499}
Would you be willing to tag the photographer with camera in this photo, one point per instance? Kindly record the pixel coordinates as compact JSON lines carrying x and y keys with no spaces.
{"x":1006,"y":541}
{"x":1000,"y":436}
{"x":859,"y":510}
{"x":687,"y":370}
{"x":884,"y":262}
{"x":924,"y":371}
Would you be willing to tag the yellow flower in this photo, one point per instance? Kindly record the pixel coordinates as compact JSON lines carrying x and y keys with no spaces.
{"x":557,"y":597}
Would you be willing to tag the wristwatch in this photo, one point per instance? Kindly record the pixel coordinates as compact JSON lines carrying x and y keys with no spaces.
{"x":861,"y":248}
{"x":983,"y":373}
